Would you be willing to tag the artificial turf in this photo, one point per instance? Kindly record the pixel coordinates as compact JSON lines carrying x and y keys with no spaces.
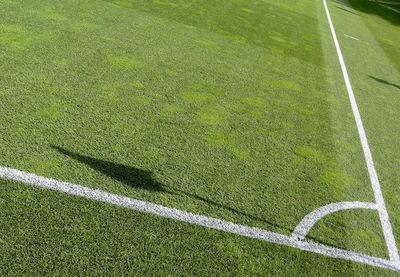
{"x":232,"y":109}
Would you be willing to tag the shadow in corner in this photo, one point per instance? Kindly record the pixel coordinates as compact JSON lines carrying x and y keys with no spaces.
{"x":139,"y":178}
{"x":345,"y":10}
{"x":384,"y":82}
{"x":387,"y":10}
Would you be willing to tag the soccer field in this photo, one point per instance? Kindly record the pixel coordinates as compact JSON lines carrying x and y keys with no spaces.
{"x":199,"y":137}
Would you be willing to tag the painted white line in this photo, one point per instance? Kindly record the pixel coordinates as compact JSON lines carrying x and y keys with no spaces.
{"x":305,"y":225}
{"x":383,"y":214}
{"x":351,"y":37}
{"x":196,"y":219}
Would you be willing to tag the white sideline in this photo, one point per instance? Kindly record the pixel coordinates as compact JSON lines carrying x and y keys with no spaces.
{"x":197,"y":219}
{"x":383,"y":214}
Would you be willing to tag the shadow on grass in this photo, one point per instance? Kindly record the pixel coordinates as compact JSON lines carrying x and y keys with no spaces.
{"x":258,"y":23}
{"x":383,"y":9}
{"x":130,"y":176}
{"x":384,"y":82}
{"x":139,"y":178}
{"x":346,"y":10}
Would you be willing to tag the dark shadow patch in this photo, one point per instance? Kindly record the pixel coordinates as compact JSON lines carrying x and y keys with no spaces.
{"x":139,"y":178}
{"x":247,"y":21}
{"x":143,"y":179}
{"x":384,"y":82}
{"x":131,"y":176}
{"x":376,"y":8}
{"x":345,"y":10}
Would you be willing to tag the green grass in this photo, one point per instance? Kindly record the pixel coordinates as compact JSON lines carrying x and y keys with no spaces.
{"x":232,"y":109}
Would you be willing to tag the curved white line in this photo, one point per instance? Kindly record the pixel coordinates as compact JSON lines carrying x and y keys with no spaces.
{"x":196,"y":219}
{"x":305,"y":225}
{"x":373,"y":176}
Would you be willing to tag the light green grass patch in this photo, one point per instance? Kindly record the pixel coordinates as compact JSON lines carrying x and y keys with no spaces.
{"x":305,"y":111}
{"x":218,"y":138}
{"x":278,"y":39}
{"x":247,"y":10}
{"x":19,"y":38}
{"x":241,"y":153}
{"x":311,"y":154}
{"x":125,"y":63}
{"x":212,"y":45}
{"x":288,"y":84}
{"x":197,"y":98}
{"x":140,"y":100}
{"x":171,"y":109}
{"x":171,"y":73}
{"x":212,"y":115}
{"x":136,"y":84}
{"x":52,"y":110}
{"x":254,"y":101}
{"x":60,"y":62}
{"x":336,"y":178}
{"x":49,"y":14}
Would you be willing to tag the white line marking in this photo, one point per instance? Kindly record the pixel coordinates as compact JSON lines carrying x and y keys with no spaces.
{"x":383,"y":214}
{"x":351,"y":37}
{"x":197,"y":219}
{"x":305,"y":225}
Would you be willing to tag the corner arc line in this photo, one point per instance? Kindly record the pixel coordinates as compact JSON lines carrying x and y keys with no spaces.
{"x":305,"y":225}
